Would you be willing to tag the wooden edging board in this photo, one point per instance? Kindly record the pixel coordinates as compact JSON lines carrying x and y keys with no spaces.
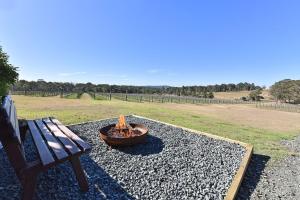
{"x":237,"y":180}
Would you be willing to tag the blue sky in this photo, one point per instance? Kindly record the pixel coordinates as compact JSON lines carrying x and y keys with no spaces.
{"x":153,"y":42}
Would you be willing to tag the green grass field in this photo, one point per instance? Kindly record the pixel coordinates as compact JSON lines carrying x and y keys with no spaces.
{"x":70,"y":111}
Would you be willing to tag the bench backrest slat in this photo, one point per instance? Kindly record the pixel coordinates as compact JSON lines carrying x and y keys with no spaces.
{"x":9,"y":118}
{"x":14,"y":121}
{"x":6,"y":103}
{"x":10,"y":135}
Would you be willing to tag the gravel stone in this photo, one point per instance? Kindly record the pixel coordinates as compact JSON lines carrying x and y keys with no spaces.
{"x":172,"y":164}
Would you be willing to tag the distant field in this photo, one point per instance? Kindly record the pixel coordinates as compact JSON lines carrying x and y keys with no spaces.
{"x":262,"y":128}
{"x":238,"y":95}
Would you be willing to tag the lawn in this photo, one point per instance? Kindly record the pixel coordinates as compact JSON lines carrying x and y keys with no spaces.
{"x":220,"y":120}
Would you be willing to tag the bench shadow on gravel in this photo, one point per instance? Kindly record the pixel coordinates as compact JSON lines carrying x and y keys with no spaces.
{"x":60,"y":182}
{"x":153,"y":145}
{"x":9,"y":184}
{"x":101,"y":184}
{"x":252,"y":176}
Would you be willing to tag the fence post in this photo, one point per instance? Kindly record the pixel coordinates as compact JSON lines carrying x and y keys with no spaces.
{"x":61,"y":94}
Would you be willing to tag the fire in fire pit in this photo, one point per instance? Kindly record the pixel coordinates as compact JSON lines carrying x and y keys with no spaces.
{"x":122,"y":130}
{"x":123,"y":134}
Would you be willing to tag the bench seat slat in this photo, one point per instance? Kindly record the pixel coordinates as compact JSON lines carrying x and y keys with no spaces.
{"x":67,"y":142}
{"x":43,"y":151}
{"x":52,"y":142}
{"x":82,"y":144}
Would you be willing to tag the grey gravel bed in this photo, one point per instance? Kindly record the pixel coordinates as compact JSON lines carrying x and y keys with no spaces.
{"x":172,"y":164}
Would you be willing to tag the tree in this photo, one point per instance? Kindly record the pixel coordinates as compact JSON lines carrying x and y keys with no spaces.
{"x":8,"y":73}
{"x":286,"y":90}
{"x":255,"y":95}
{"x":205,"y":94}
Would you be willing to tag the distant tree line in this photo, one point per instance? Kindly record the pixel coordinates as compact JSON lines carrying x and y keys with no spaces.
{"x":197,"y":91}
{"x":287,"y":91}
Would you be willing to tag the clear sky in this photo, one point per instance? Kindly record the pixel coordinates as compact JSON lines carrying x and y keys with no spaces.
{"x":153,"y":42}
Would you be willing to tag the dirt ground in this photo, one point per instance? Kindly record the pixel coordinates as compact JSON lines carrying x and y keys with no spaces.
{"x":238,"y":95}
{"x":238,"y":113}
{"x":247,"y":115}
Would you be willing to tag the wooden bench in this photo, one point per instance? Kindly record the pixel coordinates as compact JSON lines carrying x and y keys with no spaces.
{"x":54,"y":143}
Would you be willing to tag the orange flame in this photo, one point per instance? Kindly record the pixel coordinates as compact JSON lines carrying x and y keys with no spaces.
{"x":122,"y":123}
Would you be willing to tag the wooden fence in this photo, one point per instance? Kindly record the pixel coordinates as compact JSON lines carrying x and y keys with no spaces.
{"x":68,"y":95}
{"x":279,"y":106}
{"x":35,"y":93}
{"x":136,"y":97}
{"x":164,"y":99}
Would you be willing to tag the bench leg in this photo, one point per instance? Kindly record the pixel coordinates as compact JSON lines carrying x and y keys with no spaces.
{"x":81,"y":178}
{"x":29,"y":186}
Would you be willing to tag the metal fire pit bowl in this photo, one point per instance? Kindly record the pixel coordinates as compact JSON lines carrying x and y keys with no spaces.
{"x":124,"y":141}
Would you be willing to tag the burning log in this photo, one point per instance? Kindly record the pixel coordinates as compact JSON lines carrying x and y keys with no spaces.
{"x":122,"y":134}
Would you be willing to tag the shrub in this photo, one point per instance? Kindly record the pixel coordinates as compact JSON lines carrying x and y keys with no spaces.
{"x":244,"y":99}
{"x":255,"y":95}
{"x":8,"y":73}
{"x":211,"y":95}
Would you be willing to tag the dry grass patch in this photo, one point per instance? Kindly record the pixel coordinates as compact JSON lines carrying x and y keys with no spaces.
{"x":246,"y":115}
{"x":239,"y":94}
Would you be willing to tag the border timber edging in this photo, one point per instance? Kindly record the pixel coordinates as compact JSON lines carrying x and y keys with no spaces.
{"x":238,"y":177}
